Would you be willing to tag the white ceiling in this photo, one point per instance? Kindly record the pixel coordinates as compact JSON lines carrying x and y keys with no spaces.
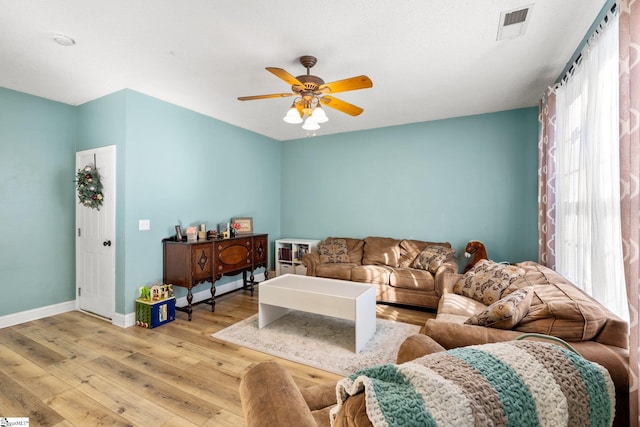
{"x":428,"y":59}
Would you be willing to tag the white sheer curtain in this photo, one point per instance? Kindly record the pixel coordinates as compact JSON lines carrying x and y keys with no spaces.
{"x":588,"y":231}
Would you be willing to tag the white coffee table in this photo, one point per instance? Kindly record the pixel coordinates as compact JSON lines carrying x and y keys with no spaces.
{"x":329,"y":297}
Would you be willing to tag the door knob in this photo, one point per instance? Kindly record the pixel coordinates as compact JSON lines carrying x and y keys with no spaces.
{"x":106,"y":243}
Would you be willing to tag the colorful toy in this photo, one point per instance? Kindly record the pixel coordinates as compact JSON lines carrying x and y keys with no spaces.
{"x":145,"y":293}
{"x":155,"y":293}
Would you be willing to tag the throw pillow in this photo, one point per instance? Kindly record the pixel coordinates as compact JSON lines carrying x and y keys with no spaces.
{"x":505,"y":313}
{"x":432,"y":257}
{"x":333,"y":251}
{"x":487,"y":280}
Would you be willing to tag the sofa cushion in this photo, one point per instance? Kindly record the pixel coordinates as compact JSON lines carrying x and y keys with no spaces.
{"x":456,"y":308}
{"x":506,"y":312}
{"x":487,"y":280}
{"x":560,"y":308}
{"x":335,"y":270}
{"x":410,"y":249}
{"x":374,"y":274}
{"x":564,"y":312}
{"x":432,"y":257}
{"x":381,"y":251}
{"x":411,"y":278}
{"x":333,"y":251}
{"x":355,"y":248}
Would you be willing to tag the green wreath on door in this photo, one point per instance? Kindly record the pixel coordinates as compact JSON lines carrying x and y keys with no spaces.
{"x":89,"y":187}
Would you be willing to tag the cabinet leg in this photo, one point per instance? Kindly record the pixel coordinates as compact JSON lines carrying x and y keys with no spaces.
{"x":213,"y":297}
{"x":189,"y":300}
{"x":247,"y":284}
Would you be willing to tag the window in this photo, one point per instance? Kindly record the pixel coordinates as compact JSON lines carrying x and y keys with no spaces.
{"x":588,"y":237}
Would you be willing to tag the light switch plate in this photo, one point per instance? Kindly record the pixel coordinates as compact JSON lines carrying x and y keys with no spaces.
{"x":144,"y":224}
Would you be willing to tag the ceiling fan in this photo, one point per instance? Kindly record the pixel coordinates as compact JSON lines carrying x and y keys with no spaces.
{"x":311,"y":91}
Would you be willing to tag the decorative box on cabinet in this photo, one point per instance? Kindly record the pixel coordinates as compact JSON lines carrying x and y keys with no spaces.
{"x":187,"y":264}
{"x":289,"y":254}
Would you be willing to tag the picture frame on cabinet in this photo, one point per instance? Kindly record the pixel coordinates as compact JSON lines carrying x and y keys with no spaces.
{"x":178,"y":234}
{"x":245,"y":223}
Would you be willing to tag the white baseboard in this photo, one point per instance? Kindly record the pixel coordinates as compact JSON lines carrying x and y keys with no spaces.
{"x":36,"y":313}
{"x":121,"y":320}
{"x":124,"y":320}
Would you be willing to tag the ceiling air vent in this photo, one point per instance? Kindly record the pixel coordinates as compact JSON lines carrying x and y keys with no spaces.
{"x":515,"y":17}
{"x":513,"y":23}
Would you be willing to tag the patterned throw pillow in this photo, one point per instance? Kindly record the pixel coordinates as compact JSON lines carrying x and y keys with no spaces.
{"x":505,"y":313}
{"x":432,"y":257}
{"x":333,"y":251}
{"x":487,"y":280}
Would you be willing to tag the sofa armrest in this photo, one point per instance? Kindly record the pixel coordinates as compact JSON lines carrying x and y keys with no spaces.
{"x":270,"y":397}
{"x":311,"y":260}
{"x":445,"y":279}
{"x":453,"y":335}
{"x":320,"y":396}
{"x":417,"y":346}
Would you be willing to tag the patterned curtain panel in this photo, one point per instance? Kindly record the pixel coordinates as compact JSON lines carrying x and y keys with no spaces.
{"x":629,"y":45}
{"x":546,"y":180}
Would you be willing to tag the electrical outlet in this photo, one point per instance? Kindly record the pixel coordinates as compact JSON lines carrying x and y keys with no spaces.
{"x":144,"y":224}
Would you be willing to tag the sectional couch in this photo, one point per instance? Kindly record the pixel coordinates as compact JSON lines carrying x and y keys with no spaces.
{"x":491,"y":303}
{"x":456,"y":388}
{"x":405,"y":271}
{"x":534,"y":300}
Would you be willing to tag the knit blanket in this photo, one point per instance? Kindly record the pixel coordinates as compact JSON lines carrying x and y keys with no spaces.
{"x":515,"y":383}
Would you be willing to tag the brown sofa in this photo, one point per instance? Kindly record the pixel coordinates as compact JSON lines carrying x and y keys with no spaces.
{"x":388,"y":263}
{"x":271,"y":398}
{"x":558,"y":308}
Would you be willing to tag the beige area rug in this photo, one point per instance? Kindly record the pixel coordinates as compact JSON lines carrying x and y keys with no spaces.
{"x":323,"y":342}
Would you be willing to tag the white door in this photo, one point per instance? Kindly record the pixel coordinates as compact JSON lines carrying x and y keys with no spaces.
{"x":95,"y":238}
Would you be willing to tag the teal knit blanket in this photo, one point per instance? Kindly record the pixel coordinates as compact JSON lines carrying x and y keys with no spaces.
{"x":515,"y":383}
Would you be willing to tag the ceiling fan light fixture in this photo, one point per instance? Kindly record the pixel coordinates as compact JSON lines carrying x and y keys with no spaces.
{"x":309,"y":91}
{"x":292,"y":116}
{"x":310,"y":124}
{"x":319,"y":115}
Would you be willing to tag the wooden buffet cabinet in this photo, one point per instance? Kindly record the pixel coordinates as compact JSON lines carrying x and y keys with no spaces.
{"x":187,"y":264}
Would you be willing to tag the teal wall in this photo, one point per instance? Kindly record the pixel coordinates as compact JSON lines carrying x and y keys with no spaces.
{"x":101,"y":123}
{"x":175,"y":166}
{"x":189,"y":169}
{"x":37,"y":201}
{"x":455,"y":180}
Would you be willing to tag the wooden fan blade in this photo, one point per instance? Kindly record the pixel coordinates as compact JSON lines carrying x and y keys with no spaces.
{"x":340,"y":105}
{"x":354,"y":83}
{"x":282,"y":74}
{"x":273,"y":95}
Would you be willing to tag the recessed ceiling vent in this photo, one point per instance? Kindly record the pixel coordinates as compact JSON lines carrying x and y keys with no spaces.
{"x":515,"y":17}
{"x":513,"y":23}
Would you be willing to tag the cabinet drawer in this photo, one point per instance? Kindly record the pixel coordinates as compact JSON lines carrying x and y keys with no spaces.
{"x":201,"y":261}
{"x":232,"y":255}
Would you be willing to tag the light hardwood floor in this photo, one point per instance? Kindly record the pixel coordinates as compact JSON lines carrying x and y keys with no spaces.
{"x":76,"y":369}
